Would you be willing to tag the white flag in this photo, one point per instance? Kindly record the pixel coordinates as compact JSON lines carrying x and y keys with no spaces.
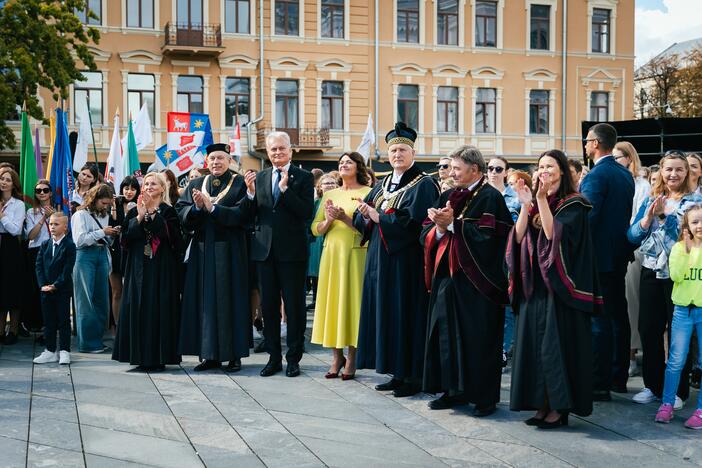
{"x":143,"y":133}
{"x":85,"y":136}
{"x":368,"y":139}
{"x":114,"y":172}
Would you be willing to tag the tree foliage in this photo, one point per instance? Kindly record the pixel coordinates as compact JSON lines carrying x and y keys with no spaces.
{"x":670,"y":86}
{"x":40,"y":43}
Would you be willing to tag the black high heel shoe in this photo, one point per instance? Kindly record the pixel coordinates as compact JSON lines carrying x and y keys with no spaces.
{"x":561,"y":421}
{"x":534,"y":421}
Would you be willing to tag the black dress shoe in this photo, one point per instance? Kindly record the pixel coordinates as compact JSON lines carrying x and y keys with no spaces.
{"x":534,"y":421}
{"x":561,"y":421}
{"x":271,"y":368}
{"x":293,"y":369}
{"x":233,"y":366}
{"x":389,"y":385}
{"x":446,"y":402}
{"x":207,"y":364}
{"x":405,"y":390}
{"x":601,"y":395}
{"x":481,"y":412}
{"x":260,"y":347}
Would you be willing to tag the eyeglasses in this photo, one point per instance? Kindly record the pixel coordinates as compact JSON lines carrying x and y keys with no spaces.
{"x":42,"y":190}
{"x":442,"y":166}
{"x":617,"y":158}
{"x":590,"y":139}
{"x":496,"y":169}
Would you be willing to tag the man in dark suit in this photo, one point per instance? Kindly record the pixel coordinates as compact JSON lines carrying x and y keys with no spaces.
{"x":54,"y":269}
{"x":610,"y":189}
{"x":282,"y":199}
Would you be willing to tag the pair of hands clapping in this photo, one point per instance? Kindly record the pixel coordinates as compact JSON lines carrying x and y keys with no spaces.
{"x":543,"y":182}
{"x":250,"y":181}
{"x":201,"y":200}
{"x":442,"y":217}
{"x":368,"y":212}
{"x":334,"y":212}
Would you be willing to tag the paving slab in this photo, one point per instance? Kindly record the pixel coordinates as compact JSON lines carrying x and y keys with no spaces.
{"x":45,"y":456}
{"x":14,"y":452}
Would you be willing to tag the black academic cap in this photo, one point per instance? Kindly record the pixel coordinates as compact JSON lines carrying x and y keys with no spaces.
{"x":401,"y":134}
{"x":217,"y":147}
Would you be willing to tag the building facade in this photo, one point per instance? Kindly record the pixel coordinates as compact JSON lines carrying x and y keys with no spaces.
{"x":484,"y":72}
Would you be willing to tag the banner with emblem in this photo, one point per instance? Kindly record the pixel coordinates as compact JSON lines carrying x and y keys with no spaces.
{"x":188,"y":136}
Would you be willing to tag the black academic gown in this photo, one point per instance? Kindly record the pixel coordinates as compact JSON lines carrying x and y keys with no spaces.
{"x":216,"y":318}
{"x":555,"y":291}
{"x":393,"y":305}
{"x":465,"y":271}
{"x":147,"y":332}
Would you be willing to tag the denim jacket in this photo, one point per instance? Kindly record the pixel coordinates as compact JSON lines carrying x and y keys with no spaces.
{"x":657,"y":241}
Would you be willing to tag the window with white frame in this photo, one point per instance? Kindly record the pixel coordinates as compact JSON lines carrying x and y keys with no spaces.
{"x":95,"y":7}
{"x":599,"y":106}
{"x":408,"y":105}
{"x":333,"y":105}
{"x":486,"y":23}
{"x":237,"y":94}
{"x":90,"y":90}
{"x":287,"y":17}
{"x":141,"y":89}
{"x":408,"y":21}
{"x":332,"y":18}
{"x":237,"y":16}
{"x":538,"y":111}
{"x":485,"y":110}
{"x":601,"y":30}
{"x":447,"y":22}
{"x":140,"y":14}
{"x":286,"y":103}
{"x":540,"y":27}
{"x":447,"y":109}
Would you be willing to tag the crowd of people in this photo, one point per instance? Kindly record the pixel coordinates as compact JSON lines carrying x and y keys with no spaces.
{"x":439,"y":280}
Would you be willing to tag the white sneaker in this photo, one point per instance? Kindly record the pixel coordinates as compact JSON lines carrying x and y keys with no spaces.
{"x":45,"y":357}
{"x":679,"y":403}
{"x":256,"y":334}
{"x":283,"y":329}
{"x":644,"y":396}
{"x":64,"y":357}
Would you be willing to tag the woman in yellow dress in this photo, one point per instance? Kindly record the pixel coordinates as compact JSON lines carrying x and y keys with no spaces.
{"x":338,"y":308}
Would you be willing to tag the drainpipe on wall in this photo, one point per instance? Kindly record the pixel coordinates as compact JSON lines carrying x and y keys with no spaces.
{"x":251,"y":151}
{"x":564,"y":75}
{"x":377,"y":81}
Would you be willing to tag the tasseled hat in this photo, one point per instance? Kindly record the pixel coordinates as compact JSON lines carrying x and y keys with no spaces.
{"x":401,"y":134}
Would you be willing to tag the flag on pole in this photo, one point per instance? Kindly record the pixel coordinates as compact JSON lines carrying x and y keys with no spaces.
{"x":61,"y":177}
{"x":50,"y":157}
{"x":28,"y":163}
{"x":235,"y":143}
{"x":143,"y":133}
{"x":37,"y":153}
{"x":114,"y":172}
{"x":188,"y":136}
{"x":85,"y":136}
{"x":131,"y":155}
{"x":364,"y":148}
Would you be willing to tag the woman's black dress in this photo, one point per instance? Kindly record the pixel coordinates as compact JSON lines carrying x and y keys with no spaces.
{"x":147,"y":334}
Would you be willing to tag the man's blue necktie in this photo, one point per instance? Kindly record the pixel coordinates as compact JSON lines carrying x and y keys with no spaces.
{"x":276,"y":186}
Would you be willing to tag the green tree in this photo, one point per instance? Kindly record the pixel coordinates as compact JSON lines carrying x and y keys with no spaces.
{"x":40,"y":43}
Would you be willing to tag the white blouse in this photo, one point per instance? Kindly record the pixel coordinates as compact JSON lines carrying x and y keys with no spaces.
{"x":86,"y":231}
{"x":33,"y":218}
{"x":13,"y":219}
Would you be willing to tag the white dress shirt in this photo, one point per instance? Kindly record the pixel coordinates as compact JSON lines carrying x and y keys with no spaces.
{"x":86,"y":231}
{"x":33,"y":218}
{"x":13,"y":219}
{"x":56,"y":243}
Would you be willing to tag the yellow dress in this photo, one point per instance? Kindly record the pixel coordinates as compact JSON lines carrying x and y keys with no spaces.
{"x":338,"y":307}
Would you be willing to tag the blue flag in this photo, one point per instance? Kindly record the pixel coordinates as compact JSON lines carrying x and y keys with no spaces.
{"x":61,"y":176}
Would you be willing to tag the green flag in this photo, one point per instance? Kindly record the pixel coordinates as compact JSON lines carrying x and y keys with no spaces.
{"x":131,"y":161}
{"x":28,"y":163}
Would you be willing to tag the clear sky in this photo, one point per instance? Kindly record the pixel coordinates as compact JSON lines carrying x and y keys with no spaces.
{"x":660,"y":23}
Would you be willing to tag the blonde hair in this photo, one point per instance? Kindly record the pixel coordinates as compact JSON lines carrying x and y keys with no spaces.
{"x":660,"y":188}
{"x":686,"y":221}
{"x":629,"y":151}
{"x":163,"y":182}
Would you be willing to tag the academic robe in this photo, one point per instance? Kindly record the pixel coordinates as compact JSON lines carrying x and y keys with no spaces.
{"x":464,"y":270}
{"x":216,"y":318}
{"x":554,"y":290}
{"x":147,"y":332}
{"x":393,"y":303}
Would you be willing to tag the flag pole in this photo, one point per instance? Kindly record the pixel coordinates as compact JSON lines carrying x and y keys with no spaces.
{"x":92,"y":132}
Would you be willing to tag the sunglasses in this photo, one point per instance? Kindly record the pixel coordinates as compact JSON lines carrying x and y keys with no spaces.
{"x":42,"y":190}
{"x":496,"y":169}
{"x":442,"y":166}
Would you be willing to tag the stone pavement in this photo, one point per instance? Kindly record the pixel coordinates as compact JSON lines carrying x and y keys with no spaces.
{"x":95,"y":414}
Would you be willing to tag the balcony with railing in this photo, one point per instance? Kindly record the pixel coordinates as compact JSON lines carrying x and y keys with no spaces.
{"x":193,"y":39}
{"x":313,"y":139}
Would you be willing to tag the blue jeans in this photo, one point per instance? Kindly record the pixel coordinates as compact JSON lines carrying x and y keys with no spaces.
{"x":685,"y":320}
{"x":509,"y":330}
{"x":90,"y":292}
